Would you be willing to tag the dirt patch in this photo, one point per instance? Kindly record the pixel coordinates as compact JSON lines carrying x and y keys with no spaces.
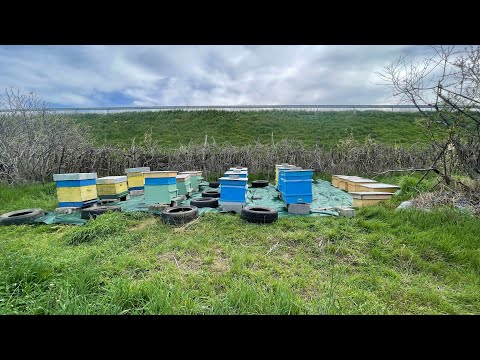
{"x":182,"y":262}
{"x":144,"y":224}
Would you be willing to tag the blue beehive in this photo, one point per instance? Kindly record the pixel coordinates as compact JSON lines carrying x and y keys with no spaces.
{"x":233,"y":189}
{"x":296,"y":186}
{"x":284,"y":168}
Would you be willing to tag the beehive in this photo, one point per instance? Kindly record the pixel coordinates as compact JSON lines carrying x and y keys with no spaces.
{"x":378,"y":187}
{"x":76,"y":189}
{"x":135,"y":178}
{"x":362,"y":198}
{"x":281,"y":178}
{"x":233,"y":189}
{"x":353,"y":184}
{"x":195,"y":178}
{"x":277,"y":169}
{"x":184,"y":184}
{"x":296,"y":186}
{"x":160,"y":187}
{"x":112,"y":187}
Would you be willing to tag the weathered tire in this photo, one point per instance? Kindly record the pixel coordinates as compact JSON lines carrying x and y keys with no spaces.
{"x":177,"y":215}
{"x":259,"y":214}
{"x":211,"y":194}
{"x":259,"y":183}
{"x":214,"y":184}
{"x":93,"y":212}
{"x":204,"y":202}
{"x":19,"y":217}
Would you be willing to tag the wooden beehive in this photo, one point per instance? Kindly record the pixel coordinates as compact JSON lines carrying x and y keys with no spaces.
{"x":353,"y":184}
{"x":112,"y":187}
{"x":378,"y":187}
{"x":361,"y":198}
{"x":76,"y":189}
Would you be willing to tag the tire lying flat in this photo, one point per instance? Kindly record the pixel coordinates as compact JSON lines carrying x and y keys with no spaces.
{"x":214,"y":184}
{"x":204,"y":202}
{"x":211,"y":194}
{"x":93,"y":212}
{"x":177,"y":215}
{"x":19,"y":217}
{"x":259,"y":183}
{"x":259,"y":214}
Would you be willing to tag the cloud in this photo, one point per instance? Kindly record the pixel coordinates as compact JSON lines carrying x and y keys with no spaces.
{"x":200,"y":75}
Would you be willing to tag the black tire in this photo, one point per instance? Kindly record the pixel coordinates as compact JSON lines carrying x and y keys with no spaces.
{"x":19,"y":217}
{"x":259,"y":183}
{"x":214,"y":184}
{"x":204,"y":202}
{"x":211,"y":194}
{"x":177,"y":215}
{"x":259,"y":214}
{"x":93,"y":212}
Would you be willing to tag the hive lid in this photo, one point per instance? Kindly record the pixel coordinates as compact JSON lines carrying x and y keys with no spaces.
{"x":380,"y":186}
{"x":159,"y":174}
{"x":137,"y":169}
{"x":362,"y":180}
{"x":234,"y":179}
{"x":183,"y":177}
{"x":194,"y":172}
{"x":74,"y":176}
{"x":111,"y":180}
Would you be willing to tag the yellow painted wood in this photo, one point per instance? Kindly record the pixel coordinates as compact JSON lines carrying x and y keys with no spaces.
{"x":160,"y":174}
{"x":334,"y":181}
{"x":77,"y":194}
{"x":134,"y":181}
{"x":112,"y":189}
{"x":134,"y":174}
{"x":365,"y":202}
{"x":355,"y":186}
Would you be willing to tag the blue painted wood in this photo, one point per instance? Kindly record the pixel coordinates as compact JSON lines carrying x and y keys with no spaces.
{"x":75,"y":183}
{"x":160,"y":181}
{"x":233,"y":190}
{"x":296,"y":186}
{"x":78,"y":204}
{"x":136,"y":188}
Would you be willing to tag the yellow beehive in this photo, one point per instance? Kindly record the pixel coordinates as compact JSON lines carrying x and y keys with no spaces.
{"x":378,"y":187}
{"x":76,"y":194}
{"x":112,"y":185}
{"x":135,"y":178}
{"x":353,"y":184}
{"x":361,"y":199}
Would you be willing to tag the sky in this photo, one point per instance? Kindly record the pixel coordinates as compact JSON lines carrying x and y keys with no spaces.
{"x":150,"y":75}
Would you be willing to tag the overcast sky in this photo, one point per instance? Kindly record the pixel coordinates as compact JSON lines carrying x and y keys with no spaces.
{"x":200,"y":74}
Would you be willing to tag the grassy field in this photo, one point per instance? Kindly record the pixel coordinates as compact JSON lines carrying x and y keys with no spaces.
{"x":380,"y":262}
{"x":172,"y":128}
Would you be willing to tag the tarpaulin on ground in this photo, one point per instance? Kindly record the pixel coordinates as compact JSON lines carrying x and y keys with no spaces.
{"x":324,"y":196}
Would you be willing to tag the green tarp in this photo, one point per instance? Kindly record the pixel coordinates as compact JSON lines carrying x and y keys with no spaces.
{"x":324,"y":196}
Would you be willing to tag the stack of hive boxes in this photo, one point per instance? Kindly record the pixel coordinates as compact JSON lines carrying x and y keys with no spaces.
{"x":295,"y":186}
{"x":136,"y":180}
{"x":195,"y":178}
{"x":160,"y":187}
{"x":77,"y":190}
{"x":184,"y":184}
{"x":233,"y":189}
{"x":364,"y":191}
{"x":112,"y":187}
{"x":277,"y":168}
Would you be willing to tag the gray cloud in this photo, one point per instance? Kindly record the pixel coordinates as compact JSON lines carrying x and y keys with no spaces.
{"x":200,"y":75}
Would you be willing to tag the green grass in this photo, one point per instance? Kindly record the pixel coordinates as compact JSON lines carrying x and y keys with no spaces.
{"x":380,"y":262}
{"x":172,"y":128}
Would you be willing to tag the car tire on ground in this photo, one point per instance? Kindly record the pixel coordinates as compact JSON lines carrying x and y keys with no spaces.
{"x":214,"y":184}
{"x":19,"y":217}
{"x":177,"y":215}
{"x":204,"y":202}
{"x":259,"y":183}
{"x":259,"y":214}
{"x":211,"y":194}
{"x":93,"y":212}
